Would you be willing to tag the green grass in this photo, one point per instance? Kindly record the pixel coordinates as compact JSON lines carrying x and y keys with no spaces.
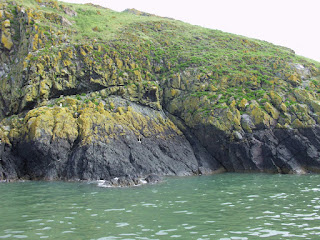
{"x":238,"y":67}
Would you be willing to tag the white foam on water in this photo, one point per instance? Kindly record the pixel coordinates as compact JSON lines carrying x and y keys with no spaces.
{"x":34,"y":220}
{"x":268,"y":224}
{"x":271,"y":233}
{"x":122,"y":224}
{"x":108,"y":238}
{"x":184,"y":211}
{"x":311,"y":219}
{"x":114,"y":209}
{"x":165,"y":232}
{"x":44,"y":229}
{"x":149,"y":205}
{"x":279,"y":195}
{"x":13,"y":232}
{"x":288,"y":224}
{"x":253,"y":196}
{"x":190,"y":227}
{"x":312,"y":228}
{"x":6,"y":236}
{"x":20,"y":236}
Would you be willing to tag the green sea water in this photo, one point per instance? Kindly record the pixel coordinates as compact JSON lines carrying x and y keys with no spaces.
{"x":225,"y":206}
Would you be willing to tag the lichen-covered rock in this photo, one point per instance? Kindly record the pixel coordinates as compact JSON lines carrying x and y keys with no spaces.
{"x":6,"y":35}
{"x":93,"y":100}
{"x":85,"y":141}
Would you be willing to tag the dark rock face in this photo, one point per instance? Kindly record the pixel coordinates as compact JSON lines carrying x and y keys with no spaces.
{"x":266,"y":150}
{"x":125,"y":157}
{"x":11,"y":166}
{"x":272,"y":151}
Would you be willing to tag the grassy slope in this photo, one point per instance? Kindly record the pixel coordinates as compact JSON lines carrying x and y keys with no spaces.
{"x":201,"y":69}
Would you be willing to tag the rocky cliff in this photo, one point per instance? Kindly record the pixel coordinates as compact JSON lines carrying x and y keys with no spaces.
{"x":89,"y":93}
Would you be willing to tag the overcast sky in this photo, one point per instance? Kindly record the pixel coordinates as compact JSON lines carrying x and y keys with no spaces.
{"x":291,"y":23}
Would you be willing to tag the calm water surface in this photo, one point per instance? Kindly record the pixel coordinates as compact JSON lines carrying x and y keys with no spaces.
{"x":226,"y":206}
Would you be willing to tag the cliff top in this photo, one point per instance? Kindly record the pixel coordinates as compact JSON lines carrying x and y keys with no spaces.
{"x":50,"y":48}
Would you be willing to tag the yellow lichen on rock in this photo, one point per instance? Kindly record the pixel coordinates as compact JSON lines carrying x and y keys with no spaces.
{"x":65,"y":125}
{"x":297,"y":124}
{"x":243,"y":104}
{"x":6,"y":24}
{"x":6,"y":40}
{"x":316,"y":106}
{"x":35,"y":42}
{"x":38,"y":122}
{"x":271,"y":110}
{"x":275,"y":99}
{"x":259,"y":117}
{"x":294,"y":79}
{"x":283,"y":107}
{"x":6,"y":35}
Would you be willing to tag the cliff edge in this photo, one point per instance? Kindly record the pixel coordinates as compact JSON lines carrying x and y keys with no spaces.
{"x":89,"y":93}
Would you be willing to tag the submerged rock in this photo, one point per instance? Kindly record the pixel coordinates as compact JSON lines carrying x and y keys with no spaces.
{"x":152,"y":178}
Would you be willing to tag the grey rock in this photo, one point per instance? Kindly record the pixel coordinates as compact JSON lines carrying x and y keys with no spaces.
{"x":246,"y":122}
{"x":152,"y":178}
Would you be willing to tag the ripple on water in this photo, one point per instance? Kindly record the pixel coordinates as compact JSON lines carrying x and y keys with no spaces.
{"x":20,"y":236}
{"x":294,"y":213}
{"x":190,"y":227}
{"x":165,"y":232}
{"x":6,"y":236}
{"x":34,"y":220}
{"x":122,"y":224}
{"x":184,"y":211}
{"x":149,"y":205}
{"x":109,"y":238}
{"x":12,"y":231}
{"x":44,"y":229}
{"x":114,"y":209}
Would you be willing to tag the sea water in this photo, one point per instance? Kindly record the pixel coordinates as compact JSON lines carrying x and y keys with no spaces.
{"x":224,"y":206}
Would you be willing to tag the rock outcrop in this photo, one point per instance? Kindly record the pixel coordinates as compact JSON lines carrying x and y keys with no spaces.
{"x":142,"y":96}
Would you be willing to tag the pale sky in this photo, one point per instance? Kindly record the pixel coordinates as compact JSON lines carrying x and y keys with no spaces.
{"x":290,"y":23}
